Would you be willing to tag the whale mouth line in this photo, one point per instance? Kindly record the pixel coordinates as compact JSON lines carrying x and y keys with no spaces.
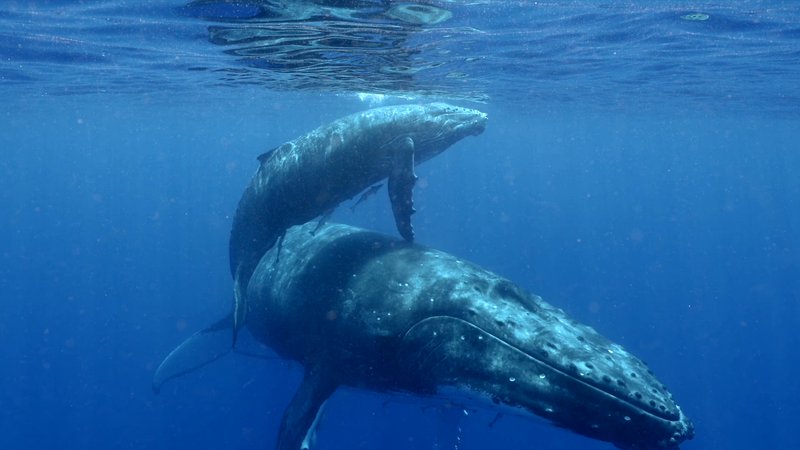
{"x":448,"y":128}
{"x":560,"y":371}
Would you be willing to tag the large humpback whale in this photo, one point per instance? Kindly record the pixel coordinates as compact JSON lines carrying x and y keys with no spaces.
{"x":311,"y":175}
{"x":364,"y":310}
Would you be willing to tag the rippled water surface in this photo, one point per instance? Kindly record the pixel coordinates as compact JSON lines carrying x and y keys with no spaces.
{"x":610,"y":55}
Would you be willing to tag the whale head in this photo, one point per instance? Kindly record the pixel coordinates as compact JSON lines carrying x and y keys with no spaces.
{"x":440,"y":125}
{"x":433,"y":127}
{"x":494,"y":342}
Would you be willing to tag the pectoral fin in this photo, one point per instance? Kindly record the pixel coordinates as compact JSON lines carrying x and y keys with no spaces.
{"x":301,"y":418}
{"x":401,"y":184}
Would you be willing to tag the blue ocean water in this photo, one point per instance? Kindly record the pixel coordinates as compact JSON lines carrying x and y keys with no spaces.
{"x":638,"y":171}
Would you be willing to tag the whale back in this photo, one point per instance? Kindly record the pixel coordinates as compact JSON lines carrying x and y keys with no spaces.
{"x":379,"y":313}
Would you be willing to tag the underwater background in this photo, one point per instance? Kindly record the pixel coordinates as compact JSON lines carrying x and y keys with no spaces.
{"x":639,"y":170}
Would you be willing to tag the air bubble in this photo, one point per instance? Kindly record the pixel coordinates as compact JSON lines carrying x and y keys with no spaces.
{"x":512,"y":379}
{"x":627,"y":418}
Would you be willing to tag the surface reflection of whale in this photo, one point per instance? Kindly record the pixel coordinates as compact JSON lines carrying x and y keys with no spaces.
{"x":376,"y":46}
{"x":364,"y":310}
{"x":309,"y":176}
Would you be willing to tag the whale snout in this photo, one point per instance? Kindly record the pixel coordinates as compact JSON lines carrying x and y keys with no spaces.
{"x":465,"y":121}
{"x":478,"y":122}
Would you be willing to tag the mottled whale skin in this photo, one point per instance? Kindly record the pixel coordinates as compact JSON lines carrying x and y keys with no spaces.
{"x":368,"y":311}
{"x":311,"y":175}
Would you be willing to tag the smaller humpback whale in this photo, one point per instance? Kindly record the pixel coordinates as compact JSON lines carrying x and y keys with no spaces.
{"x":311,"y":175}
{"x":363,"y":310}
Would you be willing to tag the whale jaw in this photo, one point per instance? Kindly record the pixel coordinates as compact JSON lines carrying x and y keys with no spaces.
{"x":464,"y":358}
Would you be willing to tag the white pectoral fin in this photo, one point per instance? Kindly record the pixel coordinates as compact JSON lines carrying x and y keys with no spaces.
{"x":310,"y":440}
{"x":200,"y":349}
{"x":301,"y":419}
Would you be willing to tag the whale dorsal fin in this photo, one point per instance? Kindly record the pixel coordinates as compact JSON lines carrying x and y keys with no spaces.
{"x":322,"y":220}
{"x":302,"y":416}
{"x":264,"y":157}
{"x":200,"y":349}
{"x":401,"y":184}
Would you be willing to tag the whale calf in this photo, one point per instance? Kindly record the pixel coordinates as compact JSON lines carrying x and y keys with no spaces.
{"x":368,"y":311}
{"x":309,"y":176}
